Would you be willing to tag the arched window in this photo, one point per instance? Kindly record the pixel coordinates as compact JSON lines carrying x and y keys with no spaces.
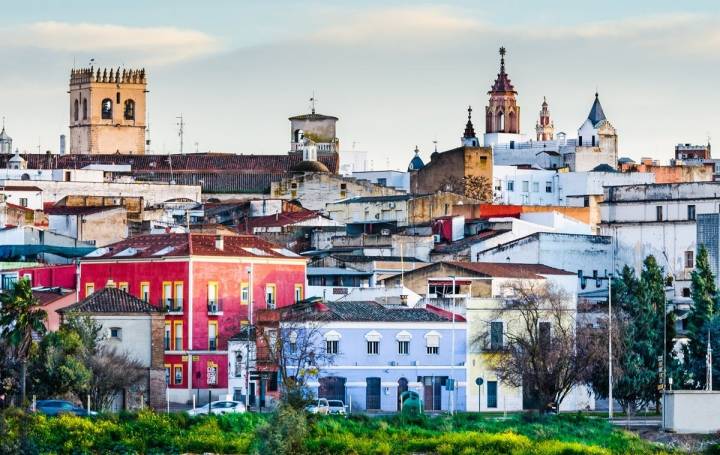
{"x":106,"y":109}
{"x":501,"y":122}
{"x":84,"y":108}
{"x":129,"y":110}
{"x":75,"y":111}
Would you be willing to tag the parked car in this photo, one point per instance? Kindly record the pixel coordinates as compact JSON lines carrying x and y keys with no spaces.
{"x":219,"y":407}
{"x":320,"y":407}
{"x":55,"y":407}
{"x":336,"y":407}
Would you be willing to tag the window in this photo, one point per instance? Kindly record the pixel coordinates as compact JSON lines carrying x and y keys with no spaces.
{"x":544,"y":333}
{"x":167,"y":289}
{"x":525,"y":186}
{"x":89,"y":289}
{"x":129,"y":110}
{"x":443,"y":289}
{"x":212,"y":335}
{"x":117,"y":97}
{"x":167,"y":374}
{"x":689,"y":259}
{"x":212,"y":297}
{"x":432,"y":342}
{"x":536,"y":187}
{"x":123,"y":286}
{"x":492,"y":397}
{"x":178,"y":295}
{"x":244,"y":293}
{"x":580,"y":140}
{"x":270,"y":296}
{"x":483,"y":162}
{"x":659,"y":213}
{"x":331,"y":346}
{"x":106,"y":109}
{"x":496,"y":335}
{"x":167,"y":336}
{"x":75,"y":110}
{"x":691,"y":212}
{"x":23,"y":201}
{"x":84,"y":108}
{"x":511,"y":185}
{"x":298,"y":292}
{"x":403,"y":347}
{"x":373,"y":347}
{"x":382,"y":181}
{"x":586,"y":201}
{"x":686,"y":292}
{"x":178,"y":326}
{"x":178,"y":374}
{"x":593,"y":140}
{"x":145,"y":291}
{"x":548,"y":186}
{"x":116,"y":333}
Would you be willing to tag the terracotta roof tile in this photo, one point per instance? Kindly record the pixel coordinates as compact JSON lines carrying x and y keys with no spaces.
{"x":79,"y":210}
{"x":111,"y":300}
{"x":509,"y":270}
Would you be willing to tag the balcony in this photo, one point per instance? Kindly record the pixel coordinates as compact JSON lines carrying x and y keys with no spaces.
{"x":215,"y":306}
{"x":172,"y":305}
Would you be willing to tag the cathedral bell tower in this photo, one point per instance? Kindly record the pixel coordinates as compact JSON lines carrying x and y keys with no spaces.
{"x":107,"y":111}
{"x":544,"y":128}
{"x":502,"y":115}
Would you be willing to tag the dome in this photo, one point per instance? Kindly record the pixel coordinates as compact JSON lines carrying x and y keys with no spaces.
{"x":416,"y":163}
{"x":603,"y":168}
{"x":309,"y":166}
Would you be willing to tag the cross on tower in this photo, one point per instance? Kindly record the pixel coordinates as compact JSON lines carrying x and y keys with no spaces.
{"x":469,"y":112}
{"x":502,"y":56}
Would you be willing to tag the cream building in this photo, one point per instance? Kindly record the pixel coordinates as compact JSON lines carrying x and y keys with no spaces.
{"x":107,"y":111}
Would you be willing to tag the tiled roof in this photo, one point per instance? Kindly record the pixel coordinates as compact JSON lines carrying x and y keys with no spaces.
{"x":365,"y":258}
{"x":465,"y":242}
{"x":312,"y":116}
{"x":49,"y":295}
{"x":183,"y":245}
{"x":19,"y":188}
{"x":508,"y":270}
{"x":78,"y":210}
{"x":363,"y":311}
{"x":363,"y":199}
{"x":216,"y":172}
{"x":111,"y":300}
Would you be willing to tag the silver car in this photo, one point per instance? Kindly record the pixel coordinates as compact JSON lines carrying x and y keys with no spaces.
{"x":219,"y":407}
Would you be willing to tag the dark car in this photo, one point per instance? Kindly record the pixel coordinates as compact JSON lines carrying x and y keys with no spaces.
{"x":55,"y":407}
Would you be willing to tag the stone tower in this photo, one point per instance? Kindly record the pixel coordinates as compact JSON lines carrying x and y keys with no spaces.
{"x":544,"y":127}
{"x":107,"y":111}
{"x":502,"y":115}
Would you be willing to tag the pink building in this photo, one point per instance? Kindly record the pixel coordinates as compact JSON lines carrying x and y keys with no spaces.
{"x":206,"y":284}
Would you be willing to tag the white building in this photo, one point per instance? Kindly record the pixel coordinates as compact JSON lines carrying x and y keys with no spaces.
{"x":658,"y":220}
{"x":517,"y":186}
{"x":30,"y":197}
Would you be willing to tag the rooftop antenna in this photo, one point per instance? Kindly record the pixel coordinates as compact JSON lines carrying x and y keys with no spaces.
{"x":181,"y":131}
{"x":312,"y":102}
{"x":197,"y":146}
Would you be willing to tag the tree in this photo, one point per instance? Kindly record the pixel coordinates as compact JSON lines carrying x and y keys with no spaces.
{"x":58,"y":367}
{"x":705,"y":308}
{"x":471,"y":186}
{"x":546,"y":360}
{"x":293,"y":344}
{"x":112,"y":373}
{"x":20,"y":318}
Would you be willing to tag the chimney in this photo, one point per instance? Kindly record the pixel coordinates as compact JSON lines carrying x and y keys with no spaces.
{"x":403,"y":299}
{"x":62,"y":144}
{"x":219,"y":243}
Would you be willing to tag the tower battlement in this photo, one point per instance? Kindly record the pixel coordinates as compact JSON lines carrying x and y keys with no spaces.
{"x":110,"y":76}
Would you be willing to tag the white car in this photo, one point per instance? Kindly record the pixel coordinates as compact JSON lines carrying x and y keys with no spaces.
{"x":219,"y":407}
{"x":336,"y":407}
{"x":319,"y":407}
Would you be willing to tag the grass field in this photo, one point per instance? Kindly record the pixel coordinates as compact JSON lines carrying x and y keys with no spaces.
{"x":152,"y":433}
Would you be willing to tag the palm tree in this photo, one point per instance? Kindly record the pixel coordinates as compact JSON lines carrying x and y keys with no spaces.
{"x":20,"y":318}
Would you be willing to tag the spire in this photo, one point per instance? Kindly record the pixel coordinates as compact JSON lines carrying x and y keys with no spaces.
{"x":502,"y":83}
{"x":596,"y":114}
{"x":416,"y":163}
{"x":469,"y":129}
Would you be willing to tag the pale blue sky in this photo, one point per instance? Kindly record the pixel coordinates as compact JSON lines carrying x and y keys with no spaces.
{"x":396,"y":73}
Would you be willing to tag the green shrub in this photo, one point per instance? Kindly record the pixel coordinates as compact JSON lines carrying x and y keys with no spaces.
{"x":285,"y":433}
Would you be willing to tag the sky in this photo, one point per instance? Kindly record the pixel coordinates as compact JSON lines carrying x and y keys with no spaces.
{"x":397,"y":74}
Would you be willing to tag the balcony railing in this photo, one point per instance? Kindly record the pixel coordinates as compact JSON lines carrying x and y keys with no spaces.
{"x":172,"y":305}
{"x":212,"y":345}
{"x":167,"y":343}
{"x":178,"y":343}
{"x":214,"y":306}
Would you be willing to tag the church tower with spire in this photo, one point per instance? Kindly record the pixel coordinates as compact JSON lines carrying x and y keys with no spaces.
{"x":502,"y":114}
{"x":596,"y":146}
{"x":544,"y":128}
{"x":469,"y":138}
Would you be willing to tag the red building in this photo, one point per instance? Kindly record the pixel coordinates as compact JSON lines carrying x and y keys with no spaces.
{"x":205,"y":282}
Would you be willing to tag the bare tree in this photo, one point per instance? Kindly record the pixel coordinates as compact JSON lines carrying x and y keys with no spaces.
{"x":543,"y":351}
{"x":475,"y":187}
{"x":290,"y":339}
{"x":113,"y":372}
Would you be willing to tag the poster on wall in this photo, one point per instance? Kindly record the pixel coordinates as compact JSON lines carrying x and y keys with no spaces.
{"x":212,"y":370}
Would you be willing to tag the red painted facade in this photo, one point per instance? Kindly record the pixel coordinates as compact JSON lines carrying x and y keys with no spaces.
{"x":197,"y":275}
{"x":51,"y":276}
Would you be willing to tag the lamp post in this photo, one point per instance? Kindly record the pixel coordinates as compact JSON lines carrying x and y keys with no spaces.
{"x":452,"y":352}
{"x":610,"y":375}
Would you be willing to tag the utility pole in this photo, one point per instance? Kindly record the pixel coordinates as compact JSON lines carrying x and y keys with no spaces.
{"x":181,"y":131}
{"x":452,"y":352}
{"x":610,"y":377}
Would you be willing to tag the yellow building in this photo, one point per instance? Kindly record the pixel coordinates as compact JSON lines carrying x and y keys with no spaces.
{"x":107,"y":111}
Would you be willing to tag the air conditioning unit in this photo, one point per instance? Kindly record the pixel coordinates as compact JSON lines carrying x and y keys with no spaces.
{"x":436,"y":238}
{"x":385,"y":232}
{"x":391,"y":205}
{"x":392,"y":363}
